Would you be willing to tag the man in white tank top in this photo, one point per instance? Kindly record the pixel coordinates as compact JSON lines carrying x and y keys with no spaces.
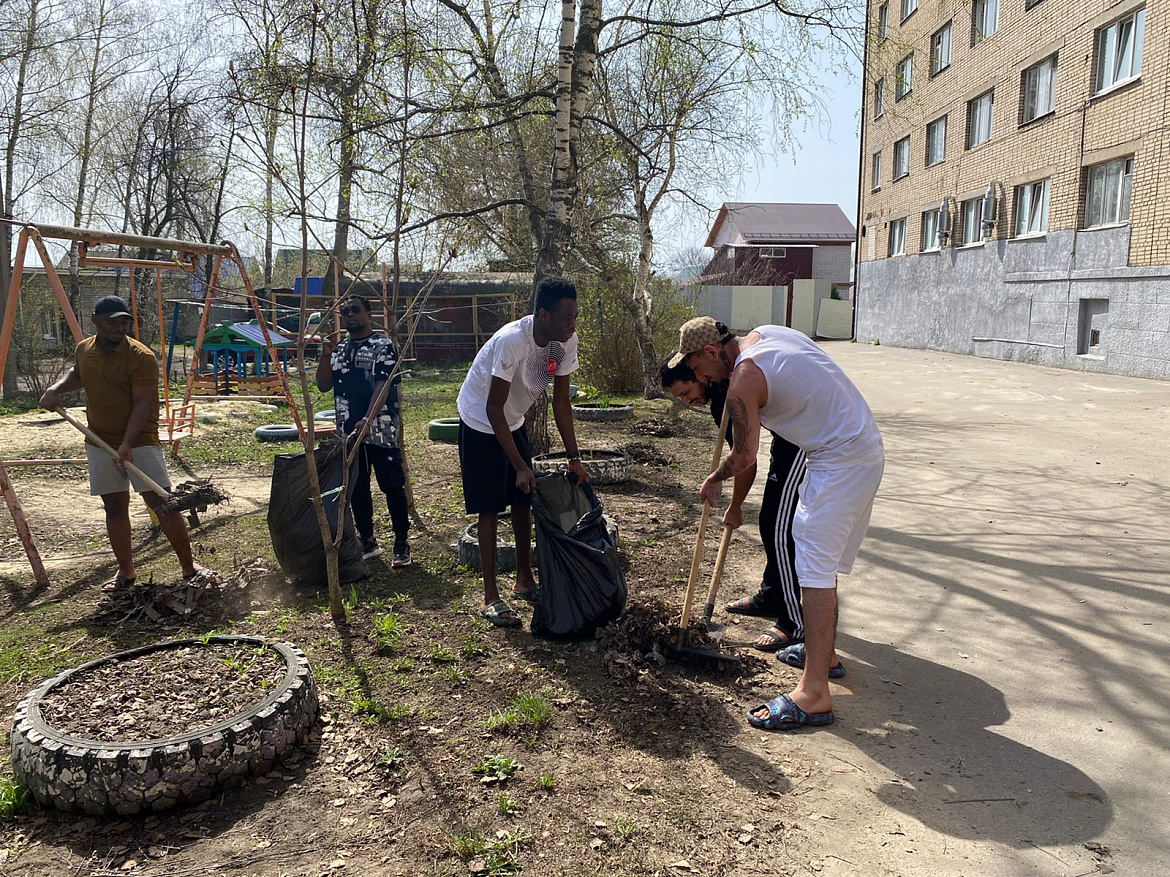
{"x":783,"y":381}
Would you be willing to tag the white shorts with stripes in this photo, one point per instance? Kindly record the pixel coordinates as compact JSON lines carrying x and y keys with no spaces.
{"x":106,"y":476}
{"x":831,"y":519}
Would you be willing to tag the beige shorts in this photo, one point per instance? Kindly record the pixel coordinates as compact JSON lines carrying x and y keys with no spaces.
{"x":106,"y":476}
{"x":830,"y":521}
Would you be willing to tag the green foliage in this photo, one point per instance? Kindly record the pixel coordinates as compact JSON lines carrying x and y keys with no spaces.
{"x":527,"y":713}
{"x":497,"y":768}
{"x":373,"y":712}
{"x":388,"y":631}
{"x":610,"y":357}
{"x":14,"y":798}
{"x":443,"y":655}
{"x":393,"y":759}
{"x":500,"y":854}
{"x":506,"y":806}
{"x":547,"y":782}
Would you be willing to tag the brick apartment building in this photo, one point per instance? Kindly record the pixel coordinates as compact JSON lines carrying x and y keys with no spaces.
{"x":1016,"y":181}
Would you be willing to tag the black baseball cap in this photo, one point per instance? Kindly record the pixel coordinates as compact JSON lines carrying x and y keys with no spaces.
{"x":111,"y":306}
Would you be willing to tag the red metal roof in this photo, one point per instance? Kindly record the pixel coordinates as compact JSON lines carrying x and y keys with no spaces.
{"x":771,"y":223}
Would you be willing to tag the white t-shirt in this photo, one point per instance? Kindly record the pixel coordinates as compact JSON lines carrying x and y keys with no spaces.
{"x":811,"y":402}
{"x":512,"y":354}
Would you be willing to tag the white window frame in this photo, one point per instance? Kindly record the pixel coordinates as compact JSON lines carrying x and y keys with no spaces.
{"x":1112,"y":207}
{"x":1038,"y":90}
{"x":984,"y":20}
{"x":876,"y":174}
{"x":1032,"y":208}
{"x":902,"y":157}
{"x":898,"y":237}
{"x":972,"y":221}
{"x":879,"y":98}
{"x":1118,"y":49}
{"x":773,"y":253}
{"x":883,"y":22}
{"x":940,"y":49}
{"x":909,"y":7}
{"x":930,"y":241}
{"x":931,"y":137}
{"x":975,"y":115}
{"x":904,"y":78}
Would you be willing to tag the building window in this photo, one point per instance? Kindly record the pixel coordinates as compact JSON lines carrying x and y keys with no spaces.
{"x":883,"y":20}
{"x":1032,"y":208}
{"x":898,"y":237}
{"x":879,"y":98}
{"x":1119,"y":50}
{"x":877,"y":170}
{"x":936,"y":141}
{"x":972,"y":221}
{"x":930,"y":230}
{"x":773,"y":252}
{"x":1029,"y":4}
{"x":979,"y":120}
{"x":940,"y":50}
{"x":902,"y":157}
{"x":1107,"y":192}
{"x":904,"y":77}
{"x":984,"y":19}
{"x":909,"y":7}
{"x":1038,"y":90}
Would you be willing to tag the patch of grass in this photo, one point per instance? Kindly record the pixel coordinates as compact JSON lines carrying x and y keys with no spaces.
{"x":527,"y":713}
{"x":393,"y":759}
{"x":547,"y":782}
{"x":457,"y":676}
{"x":443,"y":655}
{"x":373,"y":712}
{"x":501,"y":854}
{"x":625,"y":829}
{"x":497,"y":768}
{"x":350,"y":602}
{"x":29,"y":653}
{"x":505,"y":806}
{"x":388,"y":631}
{"x":474,"y":646}
{"x":14,"y":798}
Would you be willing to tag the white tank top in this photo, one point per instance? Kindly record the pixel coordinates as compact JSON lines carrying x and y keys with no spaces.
{"x":811,"y":402}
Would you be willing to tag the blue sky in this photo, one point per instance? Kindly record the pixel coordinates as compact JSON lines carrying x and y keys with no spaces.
{"x":821,"y":169}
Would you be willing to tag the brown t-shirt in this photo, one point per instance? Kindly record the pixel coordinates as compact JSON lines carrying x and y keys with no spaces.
{"x":107,"y":376}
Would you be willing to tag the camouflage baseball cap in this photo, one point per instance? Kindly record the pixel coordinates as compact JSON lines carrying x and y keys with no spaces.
{"x":694,"y":336}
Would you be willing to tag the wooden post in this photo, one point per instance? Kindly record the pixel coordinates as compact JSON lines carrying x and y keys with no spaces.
{"x":22,"y":530}
{"x":475,"y":318}
{"x":13,"y":295}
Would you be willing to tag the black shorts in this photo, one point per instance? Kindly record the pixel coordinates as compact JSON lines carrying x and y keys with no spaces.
{"x":489,"y":479}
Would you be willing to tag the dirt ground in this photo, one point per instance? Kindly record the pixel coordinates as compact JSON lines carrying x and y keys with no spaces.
{"x":1005,"y":710}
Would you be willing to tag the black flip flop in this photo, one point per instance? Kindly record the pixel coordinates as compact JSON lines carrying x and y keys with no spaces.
{"x":777,"y":640}
{"x":747,"y":606}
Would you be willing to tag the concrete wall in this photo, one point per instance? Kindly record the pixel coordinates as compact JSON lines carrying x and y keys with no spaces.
{"x":1021,"y":299}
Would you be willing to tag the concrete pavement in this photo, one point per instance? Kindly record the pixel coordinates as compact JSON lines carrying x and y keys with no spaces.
{"x":1007,"y":704}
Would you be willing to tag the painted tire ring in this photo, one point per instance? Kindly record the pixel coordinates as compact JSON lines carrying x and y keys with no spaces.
{"x":468,"y":549}
{"x":325,"y":415}
{"x":445,"y":429}
{"x":604,"y":467}
{"x":281,"y":432}
{"x":155,"y":775}
{"x":603,"y":415}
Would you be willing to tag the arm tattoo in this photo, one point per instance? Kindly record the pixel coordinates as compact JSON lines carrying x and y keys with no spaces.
{"x":723,"y":473}
{"x":738,"y":417}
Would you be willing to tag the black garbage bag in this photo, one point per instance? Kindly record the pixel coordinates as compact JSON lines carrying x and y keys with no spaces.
{"x":292,"y":520}
{"x":581,"y":584}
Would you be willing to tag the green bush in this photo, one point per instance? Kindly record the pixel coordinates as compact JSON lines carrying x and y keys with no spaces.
{"x":610,"y":357}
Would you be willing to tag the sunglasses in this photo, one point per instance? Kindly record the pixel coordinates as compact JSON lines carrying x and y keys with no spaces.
{"x":354,"y":309}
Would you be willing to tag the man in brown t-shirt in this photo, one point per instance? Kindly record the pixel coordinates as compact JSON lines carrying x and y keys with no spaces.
{"x":120,"y":379}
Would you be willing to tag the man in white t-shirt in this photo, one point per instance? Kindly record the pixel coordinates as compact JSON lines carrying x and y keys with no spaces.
{"x":782,"y":381}
{"x":509,"y":373}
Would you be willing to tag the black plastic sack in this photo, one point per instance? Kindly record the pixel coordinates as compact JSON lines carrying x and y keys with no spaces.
{"x":292,"y":520}
{"x":581,"y":584}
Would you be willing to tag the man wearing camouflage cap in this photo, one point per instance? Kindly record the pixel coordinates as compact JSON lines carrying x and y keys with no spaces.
{"x":782,"y":381}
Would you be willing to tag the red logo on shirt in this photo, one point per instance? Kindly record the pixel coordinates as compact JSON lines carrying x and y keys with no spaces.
{"x":551,"y":368}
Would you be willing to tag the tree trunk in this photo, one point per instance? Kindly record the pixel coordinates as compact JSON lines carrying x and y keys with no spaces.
{"x":86,"y":150}
{"x":345,"y":175}
{"x":641,"y":304}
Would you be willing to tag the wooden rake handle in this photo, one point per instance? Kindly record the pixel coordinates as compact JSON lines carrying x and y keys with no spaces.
{"x":697,"y":557}
{"x":717,"y":575}
{"x":101,"y":443}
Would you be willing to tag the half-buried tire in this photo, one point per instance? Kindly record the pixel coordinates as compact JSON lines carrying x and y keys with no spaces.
{"x":153,"y":775}
{"x":280,"y":432}
{"x":445,"y":429}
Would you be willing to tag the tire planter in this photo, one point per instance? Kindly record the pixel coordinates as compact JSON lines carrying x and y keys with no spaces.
{"x":597,"y":414}
{"x":468,"y":547}
{"x":604,"y":467}
{"x":136,"y":776}
{"x":280,"y":432}
{"x":325,"y":415}
{"x":445,"y":429}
